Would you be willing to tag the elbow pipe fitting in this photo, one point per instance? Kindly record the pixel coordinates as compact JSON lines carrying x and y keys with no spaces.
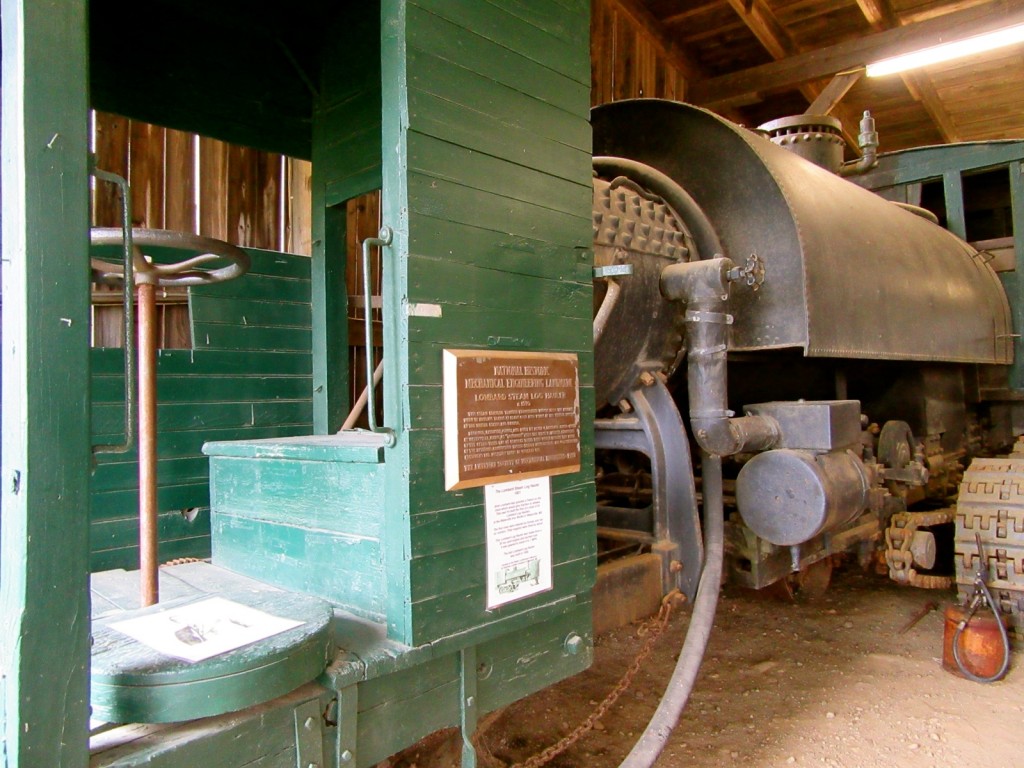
{"x":726,"y":436}
{"x":703,"y":286}
{"x":695,"y":282}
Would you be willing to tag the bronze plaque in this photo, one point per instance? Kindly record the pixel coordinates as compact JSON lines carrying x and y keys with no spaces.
{"x":509,"y":415}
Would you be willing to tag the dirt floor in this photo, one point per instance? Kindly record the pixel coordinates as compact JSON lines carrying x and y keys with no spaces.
{"x":829,"y":683}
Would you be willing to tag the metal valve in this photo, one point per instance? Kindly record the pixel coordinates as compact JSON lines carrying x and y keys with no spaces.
{"x":751,"y":273}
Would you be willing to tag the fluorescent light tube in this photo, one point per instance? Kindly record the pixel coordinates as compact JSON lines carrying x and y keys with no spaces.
{"x":947,"y":51}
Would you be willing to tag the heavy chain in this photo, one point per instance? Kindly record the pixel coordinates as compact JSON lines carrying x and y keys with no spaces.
{"x":653,"y":629}
{"x":181,"y":561}
{"x":898,"y":537}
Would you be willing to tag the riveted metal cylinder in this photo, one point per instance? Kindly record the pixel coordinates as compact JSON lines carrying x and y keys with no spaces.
{"x":788,"y":497}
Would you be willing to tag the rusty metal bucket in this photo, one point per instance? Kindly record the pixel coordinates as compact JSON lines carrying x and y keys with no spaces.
{"x":981,"y":645}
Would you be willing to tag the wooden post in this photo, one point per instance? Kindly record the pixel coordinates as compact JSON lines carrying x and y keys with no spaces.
{"x":44,"y":525}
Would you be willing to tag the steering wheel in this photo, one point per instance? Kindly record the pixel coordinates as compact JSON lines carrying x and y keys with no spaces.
{"x":190,"y":271}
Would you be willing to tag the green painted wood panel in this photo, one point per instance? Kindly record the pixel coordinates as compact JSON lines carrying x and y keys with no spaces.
{"x":44,"y":601}
{"x":233,"y":311}
{"x":108,"y":418}
{"x":495,"y":289}
{"x":109,"y":536}
{"x":346,"y":163}
{"x":437,"y":239}
{"x":489,"y":193}
{"x":459,"y":124}
{"x":341,"y":568}
{"x":449,"y":161}
{"x":402,"y":707}
{"x":474,"y":207}
{"x":252,"y":362}
{"x":429,"y":32}
{"x":502,"y":25}
{"x":326,"y":496}
{"x":241,"y":77}
{"x":251,"y":378}
{"x":259,"y":737}
{"x":433,"y":74}
{"x":452,"y":613}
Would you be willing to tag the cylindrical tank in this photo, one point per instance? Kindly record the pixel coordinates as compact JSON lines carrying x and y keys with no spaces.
{"x":847,"y":274}
{"x":817,"y":138}
{"x":790,"y":496}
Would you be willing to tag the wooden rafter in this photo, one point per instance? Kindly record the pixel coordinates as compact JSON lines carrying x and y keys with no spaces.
{"x":881,"y":16}
{"x":760,"y":19}
{"x":824,"y":62}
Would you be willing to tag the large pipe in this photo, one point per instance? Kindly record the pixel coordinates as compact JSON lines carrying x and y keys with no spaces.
{"x":703,"y":286}
{"x":655,"y":736}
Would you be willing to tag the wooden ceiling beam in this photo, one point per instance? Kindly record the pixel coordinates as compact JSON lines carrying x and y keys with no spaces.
{"x":923,"y":89}
{"x":824,"y":62}
{"x":776,"y":39}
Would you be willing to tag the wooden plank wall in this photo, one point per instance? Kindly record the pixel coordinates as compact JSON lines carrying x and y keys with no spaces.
{"x":183,"y":182}
{"x":626,"y":61}
{"x":498,"y":170}
{"x":249,"y":376}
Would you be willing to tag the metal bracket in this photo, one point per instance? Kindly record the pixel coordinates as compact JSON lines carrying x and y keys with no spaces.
{"x":128,"y":310}
{"x":467,"y":704}
{"x":613,"y":270}
{"x":383,"y":239}
{"x":346,"y":735}
{"x":309,"y":745}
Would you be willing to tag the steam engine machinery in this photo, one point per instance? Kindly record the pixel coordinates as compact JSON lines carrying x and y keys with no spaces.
{"x":727,"y":350}
{"x":788,"y":317}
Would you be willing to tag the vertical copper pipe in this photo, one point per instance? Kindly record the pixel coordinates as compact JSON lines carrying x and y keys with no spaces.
{"x":150,"y":588}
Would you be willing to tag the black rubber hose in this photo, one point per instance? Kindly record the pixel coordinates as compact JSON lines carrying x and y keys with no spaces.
{"x":655,"y":736}
{"x":1003,"y":633}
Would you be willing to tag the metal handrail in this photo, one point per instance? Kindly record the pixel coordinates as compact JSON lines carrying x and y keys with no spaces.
{"x":383,"y":239}
{"x":128,"y":303}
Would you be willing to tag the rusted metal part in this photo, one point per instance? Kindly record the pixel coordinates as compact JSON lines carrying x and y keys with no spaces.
{"x":927,"y":608}
{"x":991,"y":504}
{"x":651,"y":630}
{"x":981,"y":649}
{"x":148,"y":534}
{"x":903,"y":556}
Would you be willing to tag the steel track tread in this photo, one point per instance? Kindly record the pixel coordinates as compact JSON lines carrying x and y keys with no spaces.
{"x":991,"y":502}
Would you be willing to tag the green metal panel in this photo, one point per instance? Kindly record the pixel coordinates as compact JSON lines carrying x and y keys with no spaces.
{"x":1014,"y":281}
{"x":250,"y":376}
{"x":43,"y":567}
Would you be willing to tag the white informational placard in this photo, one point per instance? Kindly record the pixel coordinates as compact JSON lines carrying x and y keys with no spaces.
{"x":205,"y":629}
{"x":518,"y":521}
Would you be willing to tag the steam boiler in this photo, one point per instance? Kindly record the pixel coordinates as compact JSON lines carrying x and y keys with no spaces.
{"x":844,"y":353}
